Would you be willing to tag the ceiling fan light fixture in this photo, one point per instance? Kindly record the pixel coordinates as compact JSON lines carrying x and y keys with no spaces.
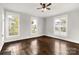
{"x":44,"y":9}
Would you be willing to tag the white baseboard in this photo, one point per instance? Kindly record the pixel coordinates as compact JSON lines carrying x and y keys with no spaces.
{"x":62,"y":38}
{"x":20,"y":38}
{"x":66,"y":39}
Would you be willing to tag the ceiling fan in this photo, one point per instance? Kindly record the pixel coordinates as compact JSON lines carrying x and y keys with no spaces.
{"x":45,"y":6}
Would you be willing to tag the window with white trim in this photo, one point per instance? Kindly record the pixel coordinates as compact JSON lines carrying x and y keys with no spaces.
{"x":12,"y":24}
{"x":34,"y":26}
{"x":60,"y":25}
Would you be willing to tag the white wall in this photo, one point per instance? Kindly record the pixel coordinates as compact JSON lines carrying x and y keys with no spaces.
{"x":73,"y":26}
{"x":1,"y":38}
{"x":25,"y":27}
{"x":45,"y":27}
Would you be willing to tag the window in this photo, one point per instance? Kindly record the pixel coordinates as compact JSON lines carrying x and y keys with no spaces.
{"x":60,"y":25}
{"x":12,"y":24}
{"x":34,"y":24}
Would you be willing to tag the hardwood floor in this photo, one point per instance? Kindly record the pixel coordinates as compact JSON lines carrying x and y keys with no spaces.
{"x":43,"y":45}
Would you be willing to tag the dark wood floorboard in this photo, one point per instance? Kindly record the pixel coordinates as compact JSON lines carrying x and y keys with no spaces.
{"x":41,"y":46}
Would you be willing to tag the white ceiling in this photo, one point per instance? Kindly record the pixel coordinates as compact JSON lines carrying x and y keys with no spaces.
{"x":31,"y":8}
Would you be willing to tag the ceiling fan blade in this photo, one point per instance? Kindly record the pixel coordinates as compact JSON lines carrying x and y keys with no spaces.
{"x":48,"y":8}
{"x":39,"y":8}
{"x":49,"y":4}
